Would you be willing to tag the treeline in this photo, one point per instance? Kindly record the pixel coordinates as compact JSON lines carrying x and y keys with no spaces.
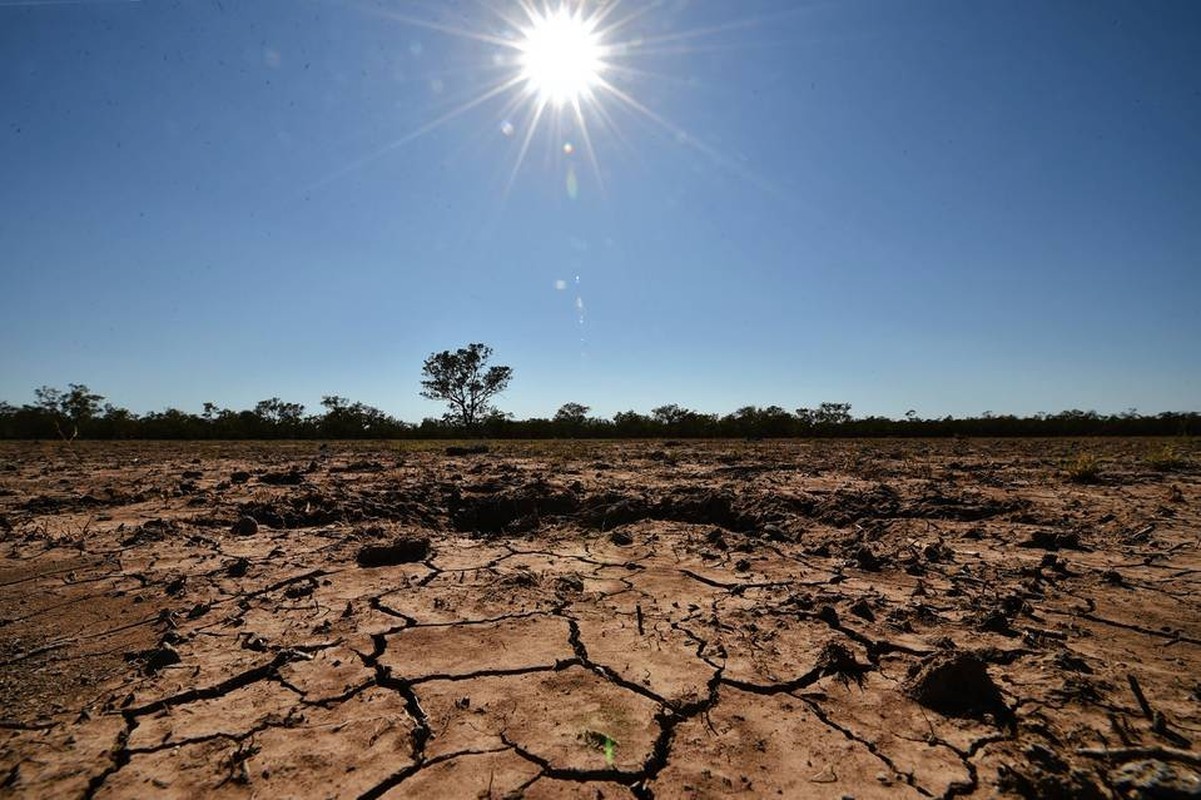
{"x":77,"y":412}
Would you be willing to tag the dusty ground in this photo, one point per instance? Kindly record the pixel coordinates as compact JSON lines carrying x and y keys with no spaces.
{"x":809,"y":619}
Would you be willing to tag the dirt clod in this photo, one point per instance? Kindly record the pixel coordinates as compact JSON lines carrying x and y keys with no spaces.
{"x":467,"y":450}
{"x":403,"y":550}
{"x":838,"y":660}
{"x":1053,"y":540}
{"x":956,"y":684}
{"x":155,"y":659}
{"x":245,"y":526}
{"x":621,"y":538}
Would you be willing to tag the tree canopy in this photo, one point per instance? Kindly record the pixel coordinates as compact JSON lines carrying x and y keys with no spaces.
{"x":465,"y":382}
{"x":77,"y":411}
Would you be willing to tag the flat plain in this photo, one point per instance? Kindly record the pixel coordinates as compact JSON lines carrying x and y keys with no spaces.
{"x":886,"y":618}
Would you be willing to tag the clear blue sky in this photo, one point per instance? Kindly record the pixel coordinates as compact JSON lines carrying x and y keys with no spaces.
{"x":947,"y":206}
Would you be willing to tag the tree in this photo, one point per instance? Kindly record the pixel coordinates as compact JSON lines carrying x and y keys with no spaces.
{"x":570,"y":419}
{"x":572,"y":414}
{"x":833,"y":414}
{"x":464,"y":381}
{"x":278,"y":417}
{"x":74,"y":407}
{"x":669,"y":415}
{"x":277,"y":412}
{"x":631,"y":423}
{"x":775,"y":421}
{"x":81,"y":404}
{"x":346,"y":420}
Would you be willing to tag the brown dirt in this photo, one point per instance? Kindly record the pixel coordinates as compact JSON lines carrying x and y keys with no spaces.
{"x":801,"y":619}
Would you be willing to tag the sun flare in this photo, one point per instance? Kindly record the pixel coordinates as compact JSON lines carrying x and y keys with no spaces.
{"x":561,"y":56}
{"x":564,"y":74}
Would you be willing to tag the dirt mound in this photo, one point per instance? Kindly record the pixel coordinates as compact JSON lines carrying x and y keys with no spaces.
{"x":843,"y":507}
{"x":956,"y":684}
{"x":969,"y":507}
{"x":516,"y":510}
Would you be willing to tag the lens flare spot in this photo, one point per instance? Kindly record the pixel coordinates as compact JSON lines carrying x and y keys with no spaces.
{"x":573,"y":183}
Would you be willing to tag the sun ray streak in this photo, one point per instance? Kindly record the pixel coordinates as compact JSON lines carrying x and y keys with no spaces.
{"x":633,"y":16}
{"x":692,"y":49}
{"x":710,"y":30}
{"x":525,"y":143}
{"x":34,"y":3}
{"x":603,"y":13}
{"x":635,"y":72}
{"x":417,"y":133}
{"x":440,"y":28}
{"x":685,"y":137}
{"x":565,"y":74}
{"x":587,"y":137}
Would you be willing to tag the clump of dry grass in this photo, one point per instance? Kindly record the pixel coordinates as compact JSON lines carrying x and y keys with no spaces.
{"x":1165,"y":459}
{"x":1085,"y":468}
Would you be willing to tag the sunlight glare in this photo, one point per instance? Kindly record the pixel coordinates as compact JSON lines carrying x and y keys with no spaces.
{"x":561,"y":56}
{"x":564,"y":68}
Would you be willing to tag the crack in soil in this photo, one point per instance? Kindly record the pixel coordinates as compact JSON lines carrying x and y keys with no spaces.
{"x":701,"y":586}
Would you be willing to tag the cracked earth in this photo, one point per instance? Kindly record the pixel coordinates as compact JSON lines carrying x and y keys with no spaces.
{"x":799,"y":619}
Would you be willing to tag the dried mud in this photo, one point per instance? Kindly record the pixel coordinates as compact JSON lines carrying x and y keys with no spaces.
{"x":801,"y":619}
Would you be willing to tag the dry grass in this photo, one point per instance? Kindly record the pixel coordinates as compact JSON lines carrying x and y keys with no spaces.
{"x":1166,"y":459}
{"x":1085,"y":468}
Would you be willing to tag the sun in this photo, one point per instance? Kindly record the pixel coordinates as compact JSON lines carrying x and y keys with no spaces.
{"x":566,"y":71}
{"x":561,"y":56}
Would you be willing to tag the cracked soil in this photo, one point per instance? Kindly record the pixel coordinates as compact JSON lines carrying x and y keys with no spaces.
{"x":667,"y":620}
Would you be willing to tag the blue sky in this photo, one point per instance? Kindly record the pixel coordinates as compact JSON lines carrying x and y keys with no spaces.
{"x":946,"y":206}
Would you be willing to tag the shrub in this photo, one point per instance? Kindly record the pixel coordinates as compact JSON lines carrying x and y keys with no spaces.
{"x":1166,"y":459}
{"x":1085,"y":468}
